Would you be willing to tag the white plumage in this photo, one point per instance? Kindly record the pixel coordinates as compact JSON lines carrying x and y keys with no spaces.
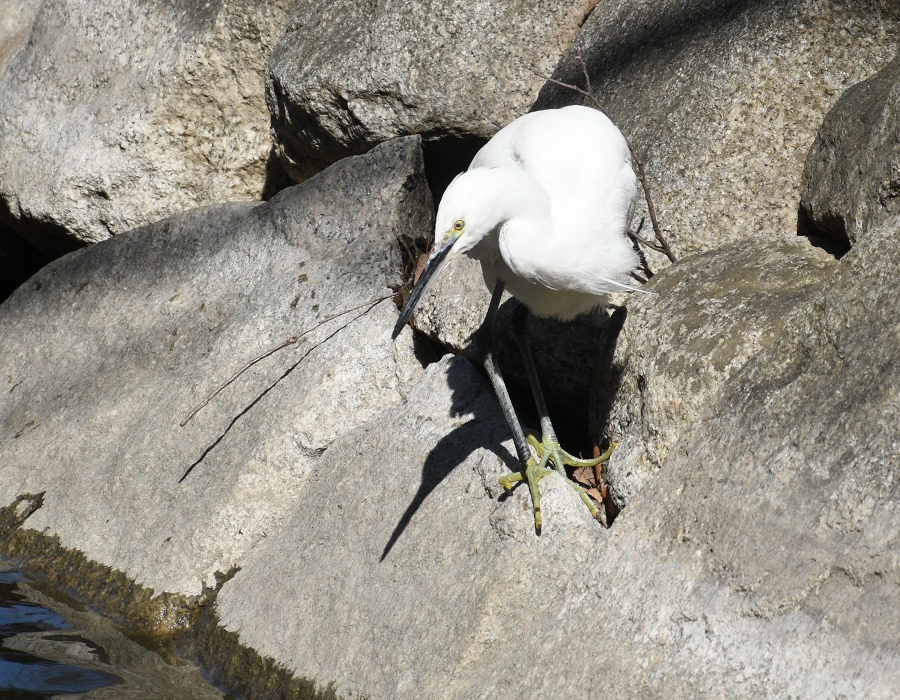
{"x":546,"y":204}
{"x":545,"y":207}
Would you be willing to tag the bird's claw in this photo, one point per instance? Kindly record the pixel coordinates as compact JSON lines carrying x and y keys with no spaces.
{"x":549,"y":452}
{"x":534,"y":471}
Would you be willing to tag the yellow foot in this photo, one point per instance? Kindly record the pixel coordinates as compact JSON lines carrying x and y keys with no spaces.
{"x":549,"y":452}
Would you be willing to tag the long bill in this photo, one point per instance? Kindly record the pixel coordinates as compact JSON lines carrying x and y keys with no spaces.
{"x":436,"y":262}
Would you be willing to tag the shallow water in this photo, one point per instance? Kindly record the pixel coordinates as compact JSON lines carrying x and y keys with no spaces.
{"x":51,"y":646}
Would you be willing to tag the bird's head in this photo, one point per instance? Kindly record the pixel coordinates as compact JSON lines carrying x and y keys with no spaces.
{"x":479,"y":202}
{"x":473,"y":209}
{"x":456,"y":231}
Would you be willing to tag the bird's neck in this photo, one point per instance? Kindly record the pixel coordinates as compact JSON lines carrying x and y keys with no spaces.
{"x":525,"y":242}
{"x":524,"y":229}
{"x":522,"y":197}
{"x":518,"y":203}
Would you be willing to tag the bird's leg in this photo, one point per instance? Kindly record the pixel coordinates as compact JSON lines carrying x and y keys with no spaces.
{"x":548,"y":449}
{"x":531,"y":469}
{"x":485,"y":341}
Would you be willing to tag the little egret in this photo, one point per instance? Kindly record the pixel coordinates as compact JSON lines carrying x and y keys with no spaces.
{"x":545,"y":207}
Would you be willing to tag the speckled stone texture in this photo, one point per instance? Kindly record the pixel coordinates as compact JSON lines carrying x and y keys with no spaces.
{"x":350,"y":74}
{"x":117,"y":114}
{"x":16,"y":17}
{"x":675,"y":349}
{"x":788,"y":485}
{"x":723,"y":98}
{"x":108,"y":348}
{"x":851,"y":180}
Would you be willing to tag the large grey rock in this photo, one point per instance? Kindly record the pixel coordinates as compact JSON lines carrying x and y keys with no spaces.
{"x":117,"y":114}
{"x":707,"y":317}
{"x":787,"y":487}
{"x":106,"y":349}
{"x":723,"y":99}
{"x":352,"y":74}
{"x":413,"y":581}
{"x":761,"y":563}
{"x":851,"y":180}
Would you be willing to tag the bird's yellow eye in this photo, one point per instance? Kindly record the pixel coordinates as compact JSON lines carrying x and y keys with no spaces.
{"x":459,"y":225}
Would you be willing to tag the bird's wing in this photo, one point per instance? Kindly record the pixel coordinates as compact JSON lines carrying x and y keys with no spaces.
{"x":499,"y":152}
{"x":569,"y":279}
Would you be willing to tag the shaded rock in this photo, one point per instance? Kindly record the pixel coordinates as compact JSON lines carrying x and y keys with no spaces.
{"x":105,"y":350}
{"x":118,"y":114}
{"x":350,"y":75}
{"x":723,"y":98}
{"x":851,"y":180}
{"x":679,"y":346}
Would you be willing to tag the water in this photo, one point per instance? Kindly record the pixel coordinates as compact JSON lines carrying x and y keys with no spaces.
{"x":53,"y":647}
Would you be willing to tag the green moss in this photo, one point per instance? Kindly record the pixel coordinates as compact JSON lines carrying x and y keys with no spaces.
{"x":235,"y":666}
{"x":166,"y":617}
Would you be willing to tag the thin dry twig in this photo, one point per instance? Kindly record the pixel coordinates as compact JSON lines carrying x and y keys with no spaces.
{"x":290,"y":341}
{"x":662,"y":246}
{"x":637,"y":238}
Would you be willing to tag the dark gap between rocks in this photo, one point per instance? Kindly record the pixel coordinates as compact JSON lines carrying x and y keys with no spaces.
{"x":277,"y":177}
{"x":833,"y":241}
{"x":19,"y":260}
{"x":446,"y":158}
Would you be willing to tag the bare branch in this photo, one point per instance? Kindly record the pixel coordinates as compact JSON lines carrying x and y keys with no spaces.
{"x":657,"y":231}
{"x":290,"y":341}
{"x":568,"y":86}
{"x":652,"y":245}
{"x":638,"y":239}
{"x":587,"y":82}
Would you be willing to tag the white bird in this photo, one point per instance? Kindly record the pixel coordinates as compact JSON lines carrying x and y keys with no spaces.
{"x":545,"y":207}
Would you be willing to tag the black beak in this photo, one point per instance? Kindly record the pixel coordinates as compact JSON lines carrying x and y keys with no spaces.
{"x":435,"y":264}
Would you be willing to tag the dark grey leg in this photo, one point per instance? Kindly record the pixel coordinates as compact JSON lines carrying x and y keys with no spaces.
{"x":485,"y":343}
{"x":550,"y":453}
{"x":520,"y":326}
